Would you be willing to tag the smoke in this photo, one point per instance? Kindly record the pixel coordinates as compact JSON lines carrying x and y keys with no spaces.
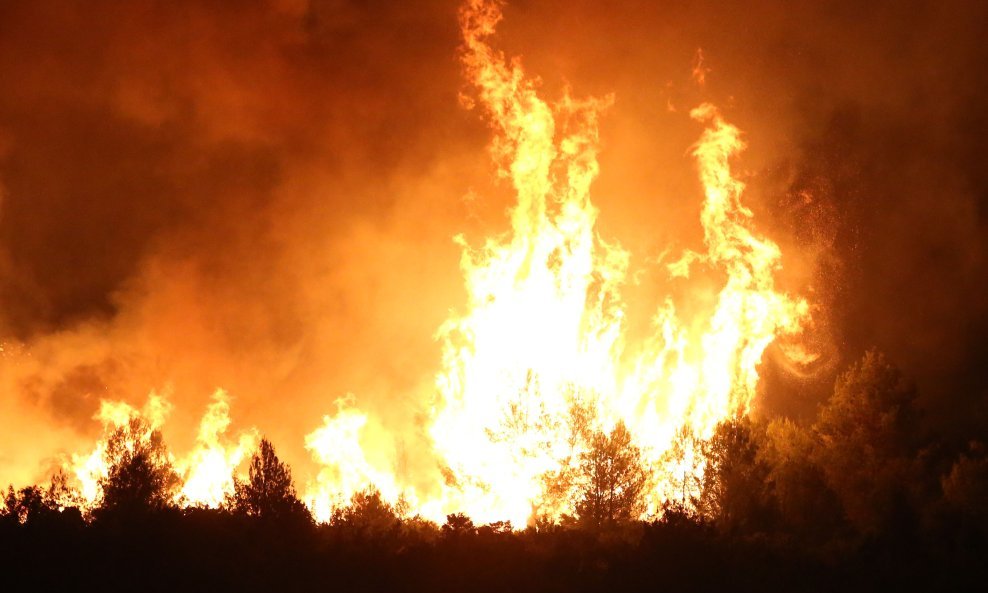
{"x":262,"y":197}
{"x":199,"y":196}
{"x":865,"y":128}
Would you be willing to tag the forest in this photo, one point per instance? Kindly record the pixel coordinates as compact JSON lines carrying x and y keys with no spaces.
{"x":694,"y":293}
{"x":862,"y":498}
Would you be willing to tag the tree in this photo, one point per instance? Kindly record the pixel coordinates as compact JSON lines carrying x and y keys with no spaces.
{"x":269,"y":492}
{"x":417,"y":530}
{"x":613,"y":479}
{"x":35,"y":505}
{"x":60,"y":495}
{"x":804,"y":504}
{"x":368,"y":516}
{"x":140,"y":477}
{"x":24,"y":505}
{"x":734,"y":493}
{"x":965,"y":488}
{"x":684,"y":463}
{"x":866,"y":442}
{"x":458,"y":525}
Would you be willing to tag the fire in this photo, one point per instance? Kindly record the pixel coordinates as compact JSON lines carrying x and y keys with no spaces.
{"x":89,"y":469}
{"x":345,"y":468}
{"x":545,"y":330}
{"x":207,"y":471}
{"x":541,"y":357}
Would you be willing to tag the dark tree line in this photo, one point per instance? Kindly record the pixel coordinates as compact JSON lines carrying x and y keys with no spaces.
{"x":858,"y":499}
{"x":141,"y":483}
{"x":863,"y":470}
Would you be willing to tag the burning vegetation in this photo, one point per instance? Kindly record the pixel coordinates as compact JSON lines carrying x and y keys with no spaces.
{"x":573,"y":425}
{"x":539,"y":375}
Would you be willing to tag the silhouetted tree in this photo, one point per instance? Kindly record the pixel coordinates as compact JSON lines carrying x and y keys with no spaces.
{"x":560,"y":485}
{"x":24,"y":505}
{"x":613,"y":478}
{"x":866,"y":441}
{"x":458,"y":525}
{"x":141,"y":478}
{"x":367,"y":516}
{"x":965,"y":487}
{"x":268,"y":492}
{"x":36,"y":505}
{"x":495,"y":528}
{"x":417,"y":530}
{"x":685,"y":460}
{"x":804,"y":504}
{"x":734,"y":495}
{"x":60,"y":494}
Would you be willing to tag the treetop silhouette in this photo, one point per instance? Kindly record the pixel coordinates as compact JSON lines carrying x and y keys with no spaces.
{"x":140,"y":475}
{"x":269,"y":492}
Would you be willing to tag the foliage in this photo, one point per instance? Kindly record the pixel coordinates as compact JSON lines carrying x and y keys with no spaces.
{"x":769,"y":514}
{"x":866,"y":442}
{"x":34,"y":505}
{"x":25,"y":504}
{"x":367,"y":516}
{"x":457,"y":525}
{"x":613,"y":479}
{"x":495,"y":528}
{"x":140,"y":477}
{"x":561,"y":485}
{"x":965,"y":488}
{"x":804,"y":505}
{"x":419,"y":531}
{"x":269,"y":492}
{"x":734,"y":493}
{"x":684,"y":462}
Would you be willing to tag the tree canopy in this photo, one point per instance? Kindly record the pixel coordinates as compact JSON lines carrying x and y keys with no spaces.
{"x":866,"y":441}
{"x":613,"y":478}
{"x":734,"y":483}
{"x":269,"y":492}
{"x":140,"y":475}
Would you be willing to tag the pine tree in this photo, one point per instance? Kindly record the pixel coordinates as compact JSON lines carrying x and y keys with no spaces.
{"x":268,"y":492}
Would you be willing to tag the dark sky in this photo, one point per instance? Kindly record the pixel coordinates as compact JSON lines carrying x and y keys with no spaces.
{"x":262,"y":195}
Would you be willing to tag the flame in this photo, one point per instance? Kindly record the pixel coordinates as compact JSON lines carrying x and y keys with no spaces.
{"x":545,"y":328}
{"x":90,"y":468}
{"x":210,"y":467}
{"x":345,"y":468}
{"x":207,"y":471}
{"x":541,"y":357}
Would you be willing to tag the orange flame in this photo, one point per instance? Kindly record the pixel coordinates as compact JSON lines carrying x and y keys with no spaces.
{"x":91,"y":468}
{"x":210,"y":467}
{"x":545,"y":329}
{"x":207,"y":471}
{"x":541,"y":356}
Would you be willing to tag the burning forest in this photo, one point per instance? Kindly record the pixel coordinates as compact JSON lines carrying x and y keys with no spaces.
{"x":488,"y":295}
